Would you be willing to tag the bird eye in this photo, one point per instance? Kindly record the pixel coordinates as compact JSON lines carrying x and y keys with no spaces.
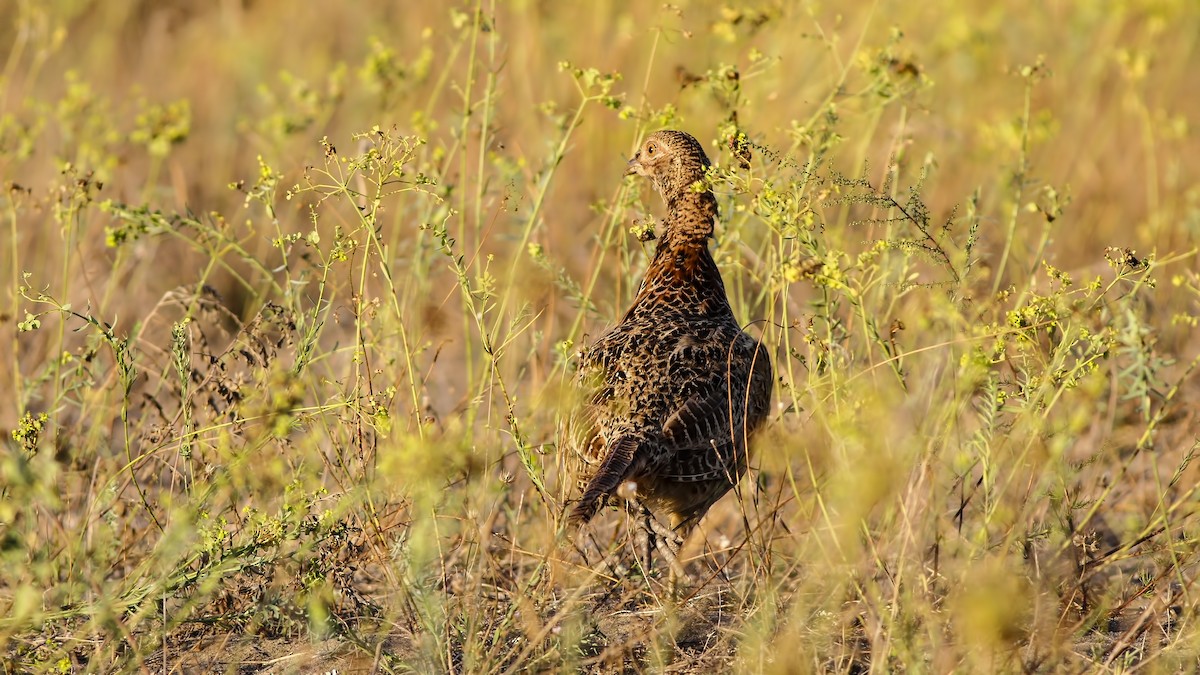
{"x":650,"y":148}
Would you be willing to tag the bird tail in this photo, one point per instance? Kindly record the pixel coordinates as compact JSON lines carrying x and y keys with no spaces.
{"x":612,"y":471}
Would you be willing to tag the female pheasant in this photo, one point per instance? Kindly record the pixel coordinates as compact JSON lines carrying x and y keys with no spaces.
{"x":678,"y":387}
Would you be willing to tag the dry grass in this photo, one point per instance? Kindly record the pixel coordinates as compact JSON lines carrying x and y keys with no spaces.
{"x":292,"y":297}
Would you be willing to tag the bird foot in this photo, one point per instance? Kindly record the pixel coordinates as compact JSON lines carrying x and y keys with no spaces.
{"x":667,"y":542}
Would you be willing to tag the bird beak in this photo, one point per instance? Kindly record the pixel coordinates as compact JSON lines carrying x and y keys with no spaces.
{"x":633,"y":167}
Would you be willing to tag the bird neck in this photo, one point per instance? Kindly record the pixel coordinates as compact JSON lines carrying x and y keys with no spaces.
{"x":683,"y":277}
{"x":690,"y":218}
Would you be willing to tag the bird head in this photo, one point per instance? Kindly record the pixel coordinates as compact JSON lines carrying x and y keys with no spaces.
{"x":672,"y":160}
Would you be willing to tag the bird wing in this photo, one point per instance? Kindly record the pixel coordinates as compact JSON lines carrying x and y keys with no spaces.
{"x":701,"y":420}
{"x":707,"y":430}
{"x":700,"y":433}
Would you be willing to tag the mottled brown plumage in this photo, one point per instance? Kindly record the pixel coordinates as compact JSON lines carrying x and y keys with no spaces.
{"x":677,"y":387}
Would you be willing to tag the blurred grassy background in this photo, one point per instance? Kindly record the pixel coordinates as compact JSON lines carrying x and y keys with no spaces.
{"x":1112,"y":122}
{"x":1059,"y":129}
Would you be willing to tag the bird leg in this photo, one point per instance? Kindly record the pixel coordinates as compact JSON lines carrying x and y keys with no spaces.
{"x":668,"y":543}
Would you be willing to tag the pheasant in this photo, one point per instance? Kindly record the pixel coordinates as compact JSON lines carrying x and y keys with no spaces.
{"x":677,"y":388}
